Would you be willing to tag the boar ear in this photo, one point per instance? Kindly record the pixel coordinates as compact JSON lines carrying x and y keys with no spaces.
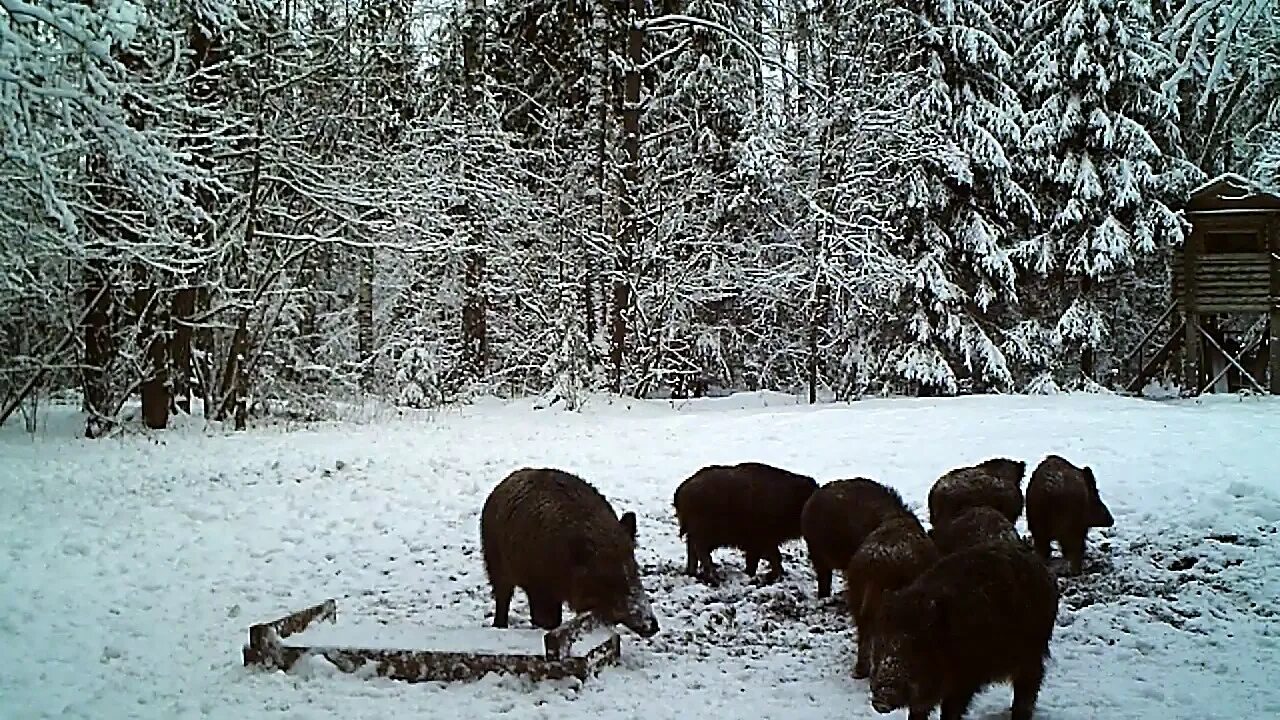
{"x":628,"y":521}
{"x":579,"y":551}
{"x":1088,"y":476}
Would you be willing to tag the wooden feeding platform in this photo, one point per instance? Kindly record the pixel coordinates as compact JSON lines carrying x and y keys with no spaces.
{"x":415,"y":653}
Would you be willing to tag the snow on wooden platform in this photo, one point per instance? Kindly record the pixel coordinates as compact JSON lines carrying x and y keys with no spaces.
{"x":410,"y":636}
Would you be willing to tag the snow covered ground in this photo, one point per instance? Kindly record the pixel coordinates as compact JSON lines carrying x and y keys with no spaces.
{"x":131,"y":567}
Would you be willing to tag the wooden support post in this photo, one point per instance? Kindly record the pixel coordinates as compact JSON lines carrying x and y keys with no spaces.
{"x":1274,"y":350}
{"x":1191,"y":348}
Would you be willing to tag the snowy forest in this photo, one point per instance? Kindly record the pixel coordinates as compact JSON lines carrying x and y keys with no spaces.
{"x":231,"y":207}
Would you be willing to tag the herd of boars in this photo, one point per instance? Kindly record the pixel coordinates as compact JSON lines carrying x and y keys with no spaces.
{"x":940,"y":613}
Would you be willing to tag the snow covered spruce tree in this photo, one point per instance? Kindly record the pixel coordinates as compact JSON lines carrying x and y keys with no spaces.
{"x":965,"y":206}
{"x":1102,"y":149}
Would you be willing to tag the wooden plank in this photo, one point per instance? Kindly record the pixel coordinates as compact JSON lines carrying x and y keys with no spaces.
{"x":1231,"y":292}
{"x":1262,"y":269}
{"x":264,"y":638}
{"x":1229,"y":259}
{"x":1261,"y":282}
{"x":1230,"y":306}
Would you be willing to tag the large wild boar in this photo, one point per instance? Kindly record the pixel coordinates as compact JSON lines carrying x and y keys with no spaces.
{"x":890,"y":558}
{"x":1062,"y":504}
{"x":983,"y":615}
{"x":995,"y":483}
{"x":974,"y":526}
{"x":553,"y":535}
{"x":839,"y":517}
{"x":749,"y":506}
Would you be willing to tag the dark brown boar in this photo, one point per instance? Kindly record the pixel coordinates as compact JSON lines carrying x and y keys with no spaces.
{"x":838,"y":517}
{"x":890,"y":558}
{"x":995,"y":483}
{"x":980,"y":616}
{"x":1062,"y":504}
{"x":749,"y":506}
{"x":974,"y":526}
{"x":553,"y":535}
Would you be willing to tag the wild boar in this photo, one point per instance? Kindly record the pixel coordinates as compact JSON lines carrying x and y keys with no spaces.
{"x":974,"y":526}
{"x":1062,"y":504}
{"x":980,"y":616}
{"x":553,"y":535}
{"x":838,"y":517}
{"x":750,"y":506}
{"x":995,"y":483}
{"x":890,"y":558}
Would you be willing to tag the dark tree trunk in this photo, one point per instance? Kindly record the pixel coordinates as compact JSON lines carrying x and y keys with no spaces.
{"x":208,"y":52}
{"x":1088,"y":356}
{"x":234,"y":378}
{"x":183,"y":312}
{"x":150,"y":315}
{"x":364,"y":317}
{"x":475,"y":301}
{"x":98,"y":348}
{"x":629,"y":232}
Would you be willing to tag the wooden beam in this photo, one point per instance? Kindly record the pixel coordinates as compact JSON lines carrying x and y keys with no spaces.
{"x":1274,"y":350}
{"x":1175,"y":341}
{"x":1229,"y":358}
{"x":1191,"y":317}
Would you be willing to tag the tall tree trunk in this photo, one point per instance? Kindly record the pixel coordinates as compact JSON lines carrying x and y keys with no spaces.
{"x":98,"y":347}
{"x":208,"y":52}
{"x":364,"y":316}
{"x":804,"y":57}
{"x":182,"y":313}
{"x":475,"y":304}
{"x":151,"y":316}
{"x":235,"y":379}
{"x":598,"y":116}
{"x":628,"y":210}
{"x":1088,"y":354}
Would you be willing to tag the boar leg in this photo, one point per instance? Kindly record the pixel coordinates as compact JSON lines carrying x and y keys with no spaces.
{"x":956,"y":704}
{"x":862,"y":666}
{"x":1073,"y":551}
{"x":545,"y":609}
{"x":862,"y":620}
{"x":1026,"y":688}
{"x":920,"y":713}
{"x":691,"y":552}
{"x":502,"y":605}
{"x":824,"y":579}
{"x":708,"y":572}
{"x":753,"y":562}
{"x":774,"y":558}
{"x":1043,"y":543}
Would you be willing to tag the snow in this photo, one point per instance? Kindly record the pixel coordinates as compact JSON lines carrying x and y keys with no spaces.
{"x":416,"y":636}
{"x":1249,"y":187}
{"x":133,"y":566}
{"x":412,"y":636}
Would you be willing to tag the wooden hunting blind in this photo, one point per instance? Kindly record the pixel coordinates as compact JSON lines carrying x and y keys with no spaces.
{"x":1226,"y":275}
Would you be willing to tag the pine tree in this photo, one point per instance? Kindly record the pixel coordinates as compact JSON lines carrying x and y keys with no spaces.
{"x":1102,"y":147}
{"x":964,"y":207}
